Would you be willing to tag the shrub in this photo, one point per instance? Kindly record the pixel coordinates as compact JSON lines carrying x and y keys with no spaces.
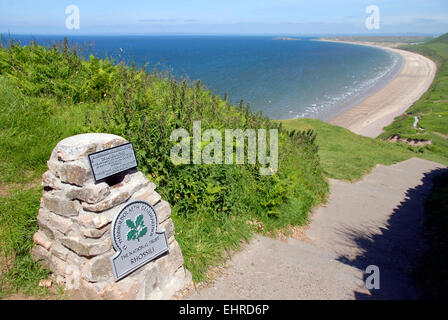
{"x":211,"y":203}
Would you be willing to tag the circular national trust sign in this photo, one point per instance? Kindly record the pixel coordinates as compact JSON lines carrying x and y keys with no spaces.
{"x":136,"y":238}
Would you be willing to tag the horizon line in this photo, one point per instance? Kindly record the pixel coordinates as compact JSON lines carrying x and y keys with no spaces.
{"x":391,"y":34}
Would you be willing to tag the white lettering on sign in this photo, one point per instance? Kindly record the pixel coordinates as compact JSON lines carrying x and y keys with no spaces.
{"x":112,"y":161}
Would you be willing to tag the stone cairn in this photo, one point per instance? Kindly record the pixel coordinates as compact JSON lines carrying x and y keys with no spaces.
{"x":75,"y":216}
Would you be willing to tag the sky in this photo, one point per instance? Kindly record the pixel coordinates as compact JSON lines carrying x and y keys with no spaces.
{"x":281,"y":17}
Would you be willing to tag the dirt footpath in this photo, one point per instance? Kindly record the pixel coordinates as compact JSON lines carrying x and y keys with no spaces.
{"x":375,"y":221}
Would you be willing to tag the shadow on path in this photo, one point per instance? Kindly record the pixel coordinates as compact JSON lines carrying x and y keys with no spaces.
{"x":396,"y":248}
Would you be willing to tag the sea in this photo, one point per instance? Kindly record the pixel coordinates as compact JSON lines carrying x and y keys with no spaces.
{"x":284,"y":79}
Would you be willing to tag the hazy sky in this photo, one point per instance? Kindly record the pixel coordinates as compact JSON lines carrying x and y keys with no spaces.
{"x":223,"y":16}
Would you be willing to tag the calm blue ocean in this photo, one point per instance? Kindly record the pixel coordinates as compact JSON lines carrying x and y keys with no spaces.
{"x":284,"y":79}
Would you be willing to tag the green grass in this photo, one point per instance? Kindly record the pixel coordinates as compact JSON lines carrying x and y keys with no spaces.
{"x":432,"y":107}
{"x":49,"y":94}
{"x":18,"y":222}
{"x":348,"y":156}
{"x":29,"y":128}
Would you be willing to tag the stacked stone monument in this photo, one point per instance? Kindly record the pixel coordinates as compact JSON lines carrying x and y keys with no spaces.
{"x":75,"y":217}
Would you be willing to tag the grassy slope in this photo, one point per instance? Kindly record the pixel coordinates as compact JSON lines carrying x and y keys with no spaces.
{"x":348,"y":156}
{"x":29,"y":127}
{"x":47,"y":95}
{"x":432,"y":108}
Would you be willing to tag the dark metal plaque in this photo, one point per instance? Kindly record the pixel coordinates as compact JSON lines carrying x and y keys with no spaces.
{"x":109,"y":162}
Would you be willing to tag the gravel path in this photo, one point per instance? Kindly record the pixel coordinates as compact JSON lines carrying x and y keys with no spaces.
{"x":375,"y":221}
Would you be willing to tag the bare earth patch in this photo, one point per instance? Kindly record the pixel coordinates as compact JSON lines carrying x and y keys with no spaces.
{"x":413,"y":142}
{"x":294,"y":232}
{"x":55,"y":292}
{"x":7,"y":189}
{"x":444,"y":136}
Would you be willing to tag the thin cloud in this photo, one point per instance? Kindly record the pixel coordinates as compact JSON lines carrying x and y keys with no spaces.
{"x":169,"y":21}
{"x":424,"y":20}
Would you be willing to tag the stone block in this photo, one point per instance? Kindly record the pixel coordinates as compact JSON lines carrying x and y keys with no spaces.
{"x":91,"y":193}
{"x":168,"y":226}
{"x":163,"y":210}
{"x":81,"y":145}
{"x":59,"y":251}
{"x":94,"y":233}
{"x":166,"y":275}
{"x":54,"y":221}
{"x":58,"y":266}
{"x":119,"y":193}
{"x":87,"y":247}
{"x":175,"y":282}
{"x":77,"y":173}
{"x":41,"y":239}
{"x":57,"y":202}
{"x":48,"y":229}
{"x":98,"y":268}
{"x":92,"y":220}
{"x":148,"y":194}
{"x":125,"y":289}
{"x":40,"y":254}
{"x":145,"y":192}
{"x":49,"y":180}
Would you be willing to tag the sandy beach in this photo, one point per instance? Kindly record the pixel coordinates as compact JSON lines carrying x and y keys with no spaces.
{"x":371,"y":115}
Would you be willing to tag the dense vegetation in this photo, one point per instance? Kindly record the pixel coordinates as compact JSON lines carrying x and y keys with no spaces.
{"x":47,"y":94}
{"x":431,"y":108}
